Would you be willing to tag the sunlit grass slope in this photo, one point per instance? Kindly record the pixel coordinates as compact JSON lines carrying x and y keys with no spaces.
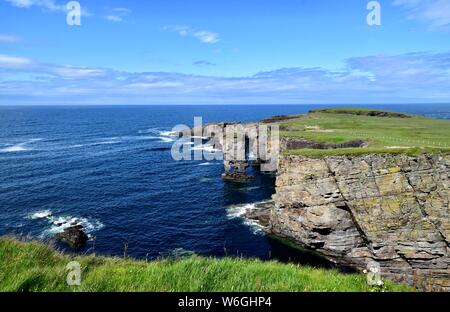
{"x":32,"y":266}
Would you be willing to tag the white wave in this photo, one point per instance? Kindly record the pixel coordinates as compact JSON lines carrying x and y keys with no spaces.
{"x":147,"y":137}
{"x":150,"y":130}
{"x":20,"y":147}
{"x":105,"y":143}
{"x":238,"y":211}
{"x":249,"y":188}
{"x":41,"y":214}
{"x":77,"y":145}
{"x":163,"y":136}
{"x":14,"y":148}
{"x":209,"y":163}
{"x":158,"y":132}
{"x":61,"y":223}
{"x":167,"y":133}
{"x":206,"y":148}
{"x":144,"y":137}
{"x":168,"y":140}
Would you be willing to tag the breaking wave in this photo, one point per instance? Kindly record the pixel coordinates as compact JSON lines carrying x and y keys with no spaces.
{"x":163,"y":136}
{"x":20,"y":147}
{"x":209,"y":163}
{"x":59,"y":223}
{"x":239,"y":211}
{"x":41,"y":214}
{"x":206,"y":148}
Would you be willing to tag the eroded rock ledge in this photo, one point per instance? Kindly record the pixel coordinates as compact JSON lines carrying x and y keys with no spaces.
{"x":392,"y":209}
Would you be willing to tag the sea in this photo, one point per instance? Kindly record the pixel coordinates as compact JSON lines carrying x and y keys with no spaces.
{"x":110,"y":169}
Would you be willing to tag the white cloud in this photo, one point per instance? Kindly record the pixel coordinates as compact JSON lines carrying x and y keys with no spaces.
{"x":118,"y":14}
{"x":26,"y":65}
{"x":75,"y":72}
{"x":9,"y":38}
{"x":207,"y":36}
{"x":122,"y":10}
{"x":202,"y":35}
{"x":47,"y":4}
{"x":155,"y":85}
{"x":114,"y":18}
{"x":10,"y":62}
{"x":436,"y":13}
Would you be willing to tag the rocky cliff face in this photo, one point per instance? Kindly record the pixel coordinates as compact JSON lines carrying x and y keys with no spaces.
{"x":392,"y":209}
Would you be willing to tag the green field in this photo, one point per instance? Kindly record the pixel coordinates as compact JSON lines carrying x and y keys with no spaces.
{"x":382,"y":134}
{"x":32,"y":266}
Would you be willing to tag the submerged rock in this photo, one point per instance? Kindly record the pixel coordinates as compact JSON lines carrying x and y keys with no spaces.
{"x":74,"y":236}
{"x":260,"y":214}
{"x":238,"y":177}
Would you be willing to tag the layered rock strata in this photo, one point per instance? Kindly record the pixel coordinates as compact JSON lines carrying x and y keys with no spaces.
{"x":391,"y":209}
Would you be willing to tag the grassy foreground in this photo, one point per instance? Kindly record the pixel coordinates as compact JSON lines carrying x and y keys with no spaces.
{"x":391,"y":134}
{"x":33,"y":266}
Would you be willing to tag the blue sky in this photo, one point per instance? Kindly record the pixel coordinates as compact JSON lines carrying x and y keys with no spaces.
{"x":224,"y":52}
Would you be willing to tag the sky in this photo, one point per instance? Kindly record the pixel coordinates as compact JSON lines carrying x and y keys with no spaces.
{"x":224,"y":52}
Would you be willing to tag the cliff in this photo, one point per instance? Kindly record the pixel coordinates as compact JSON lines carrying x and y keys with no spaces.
{"x":362,"y":187}
{"x":392,"y":209}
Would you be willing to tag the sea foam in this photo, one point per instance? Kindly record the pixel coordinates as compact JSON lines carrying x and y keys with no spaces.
{"x":14,"y":149}
{"x":238,"y":211}
{"x":41,"y":214}
{"x":19,"y":147}
{"x":59,"y":223}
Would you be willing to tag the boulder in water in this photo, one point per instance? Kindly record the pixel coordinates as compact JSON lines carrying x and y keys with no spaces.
{"x":74,"y":236}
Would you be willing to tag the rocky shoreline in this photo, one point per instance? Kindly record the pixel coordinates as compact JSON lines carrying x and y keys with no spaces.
{"x":389,"y":209}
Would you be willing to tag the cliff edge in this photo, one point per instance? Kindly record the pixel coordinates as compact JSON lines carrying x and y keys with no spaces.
{"x":388,"y":208}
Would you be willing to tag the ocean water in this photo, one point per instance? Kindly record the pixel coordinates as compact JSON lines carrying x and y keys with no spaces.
{"x":110,"y":169}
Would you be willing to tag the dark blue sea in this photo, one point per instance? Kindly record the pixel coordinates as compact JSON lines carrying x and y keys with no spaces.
{"x":110,"y":169}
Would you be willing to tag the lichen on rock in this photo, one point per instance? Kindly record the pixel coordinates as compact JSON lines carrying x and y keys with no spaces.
{"x":392,"y":209}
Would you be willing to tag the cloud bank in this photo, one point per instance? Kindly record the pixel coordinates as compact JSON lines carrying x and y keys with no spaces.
{"x":406,"y":78}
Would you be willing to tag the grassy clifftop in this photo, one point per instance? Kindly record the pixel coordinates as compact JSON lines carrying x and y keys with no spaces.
{"x":384,"y":132}
{"x":32,"y":266}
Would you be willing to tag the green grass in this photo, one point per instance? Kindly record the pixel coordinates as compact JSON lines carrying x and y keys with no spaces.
{"x":32,"y":266}
{"x":381,"y":133}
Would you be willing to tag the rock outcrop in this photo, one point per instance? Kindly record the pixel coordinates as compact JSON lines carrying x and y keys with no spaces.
{"x":74,"y":236}
{"x":391,"y":209}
